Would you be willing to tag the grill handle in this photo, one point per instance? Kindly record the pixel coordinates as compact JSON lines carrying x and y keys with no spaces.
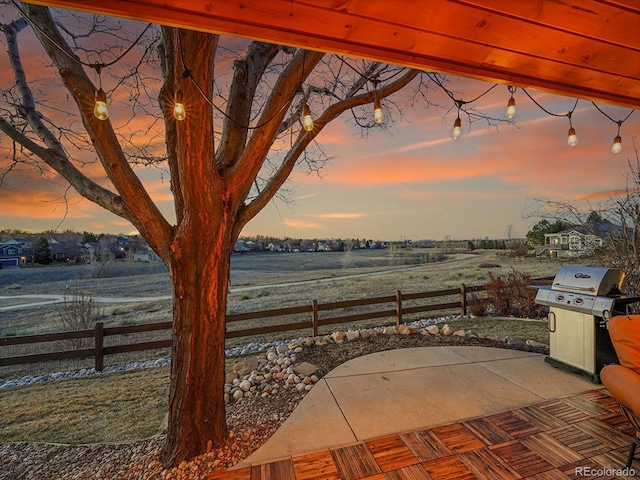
{"x":551,"y":316}
{"x":574,"y":288}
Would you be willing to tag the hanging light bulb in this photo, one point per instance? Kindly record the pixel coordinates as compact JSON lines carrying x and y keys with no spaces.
{"x":100,"y":108}
{"x":457,"y":129}
{"x":307,"y":121}
{"x":572,"y":139}
{"x":511,"y":106}
{"x":179,"y":111}
{"x":378,"y":116}
{"x":617,"y":144}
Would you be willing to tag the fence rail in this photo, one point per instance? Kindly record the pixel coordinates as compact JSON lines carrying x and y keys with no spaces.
{"x":393,"y":306}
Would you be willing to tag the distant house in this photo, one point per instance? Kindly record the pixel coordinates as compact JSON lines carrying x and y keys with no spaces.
{"x":242,"y":246}
{"x":12,"y":253}
{"x":576,"y":241}
{"x":69,"y":251}
{"x":145,"y":255}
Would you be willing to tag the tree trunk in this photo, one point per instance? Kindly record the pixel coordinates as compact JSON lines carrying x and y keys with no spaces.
{"x":200,"y":274}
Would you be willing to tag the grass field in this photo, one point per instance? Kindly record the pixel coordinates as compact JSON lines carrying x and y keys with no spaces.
{"x":131,"y":405}
{"x":258,"y":282}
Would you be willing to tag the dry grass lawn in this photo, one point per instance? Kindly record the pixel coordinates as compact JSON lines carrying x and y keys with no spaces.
{"x":109,"y":408}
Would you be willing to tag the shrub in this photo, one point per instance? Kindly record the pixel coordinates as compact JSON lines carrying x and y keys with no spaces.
{"x":79,"y":311}
{"x":512,"y":296}
{"x":498,"y":295}
{"x":477,"y":304}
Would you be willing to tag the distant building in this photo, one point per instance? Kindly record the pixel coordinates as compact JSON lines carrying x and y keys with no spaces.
{"x":576,"y":241}
{"x":12,"y":253}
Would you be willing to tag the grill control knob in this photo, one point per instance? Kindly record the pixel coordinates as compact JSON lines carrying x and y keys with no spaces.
{"x":560,"y":298}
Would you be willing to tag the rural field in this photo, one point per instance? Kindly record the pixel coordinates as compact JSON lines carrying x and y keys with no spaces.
{"x":258,"y":282}
{"x":137,"y":400}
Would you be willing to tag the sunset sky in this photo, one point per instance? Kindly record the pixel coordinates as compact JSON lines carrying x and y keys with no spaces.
{"x":410,"y":180}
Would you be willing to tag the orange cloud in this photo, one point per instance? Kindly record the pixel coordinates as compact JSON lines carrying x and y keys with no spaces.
{"x":300,"y":224}
{"x":339,"y":216}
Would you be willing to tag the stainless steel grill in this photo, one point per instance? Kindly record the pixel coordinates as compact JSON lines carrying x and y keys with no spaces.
{"x":581,"y":300}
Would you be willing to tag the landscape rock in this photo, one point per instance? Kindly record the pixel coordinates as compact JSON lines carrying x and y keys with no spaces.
{"x":433,"y":330}
{"x":534,"y":343}
{"x":447,"y":330}
{"x":305,"y":368}
{"x":514,"y":341}
{"x":338,"y":336}
{"x":353,"y":335}
{"x":459,"y":333}
{"x":390,"y":330}
{"x":403,"y":329}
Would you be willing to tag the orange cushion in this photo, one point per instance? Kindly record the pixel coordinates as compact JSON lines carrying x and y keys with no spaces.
{"x":624,"y":384}
{"x":625,"y":335}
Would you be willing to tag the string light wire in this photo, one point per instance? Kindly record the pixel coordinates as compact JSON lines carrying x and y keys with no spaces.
{"x":459,"y":103}
{"x":97,"y":66}
{"x":187,"y":74}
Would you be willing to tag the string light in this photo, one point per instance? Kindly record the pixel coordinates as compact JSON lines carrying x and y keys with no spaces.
{"x":378,"y":116}
{"x":179,"y":111}
{"x":511,"y":106}
{"x":100,"y":108}
{"x":307,"y":120}
{"x":457,"y":125}
{"x":617,"y":142}
{"x":572,"y":139}
{"x":457,"y":129}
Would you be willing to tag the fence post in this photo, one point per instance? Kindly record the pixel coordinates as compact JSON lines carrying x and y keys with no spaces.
{"x":99,"y":346}
{"x":463,"y":299}
{"x":314,"y":317}
{"x":398,"y":308}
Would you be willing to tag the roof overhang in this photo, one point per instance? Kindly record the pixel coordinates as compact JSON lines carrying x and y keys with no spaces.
{"x":586,"y":49}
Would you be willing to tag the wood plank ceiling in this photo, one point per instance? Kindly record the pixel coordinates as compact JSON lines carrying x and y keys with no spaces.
{"x":587,"y":49}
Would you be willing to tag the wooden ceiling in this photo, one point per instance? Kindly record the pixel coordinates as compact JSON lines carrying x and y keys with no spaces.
{"x":588,"y":49}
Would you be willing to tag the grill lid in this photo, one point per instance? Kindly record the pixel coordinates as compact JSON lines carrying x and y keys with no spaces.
{"x":596,"y":281}
{"x":591,"y":290}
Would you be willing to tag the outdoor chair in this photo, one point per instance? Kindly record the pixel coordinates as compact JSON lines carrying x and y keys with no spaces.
{"x":623,"y":381}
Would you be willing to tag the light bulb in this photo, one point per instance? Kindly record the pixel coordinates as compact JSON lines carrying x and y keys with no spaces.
{"x":307,"y":121}
{"x":572,"y":139}
{"x":511,"y":108}
{"x":457,"y":129}
{"x":378,"y":116}
{"x":100,"y":108}
{"x":617,"y":144}
{"x":178,"y":107}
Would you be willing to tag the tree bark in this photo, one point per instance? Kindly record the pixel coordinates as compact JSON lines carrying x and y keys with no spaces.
{"x":200,"y":274}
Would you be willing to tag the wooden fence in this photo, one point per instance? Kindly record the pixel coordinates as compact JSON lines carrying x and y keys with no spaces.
{"x":392,"y":306}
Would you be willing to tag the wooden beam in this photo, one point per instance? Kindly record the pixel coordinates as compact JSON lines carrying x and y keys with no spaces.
{"x":579,"y":48}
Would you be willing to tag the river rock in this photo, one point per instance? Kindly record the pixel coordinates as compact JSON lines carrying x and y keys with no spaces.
{"x":433,"y":330}
{"x":305,"y":368}
{"x":447,"y":330}
{"x":403,"y":329}
{"x":389,"y":330}
{"x":352,"y":335}
{"x":338,"y":337}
